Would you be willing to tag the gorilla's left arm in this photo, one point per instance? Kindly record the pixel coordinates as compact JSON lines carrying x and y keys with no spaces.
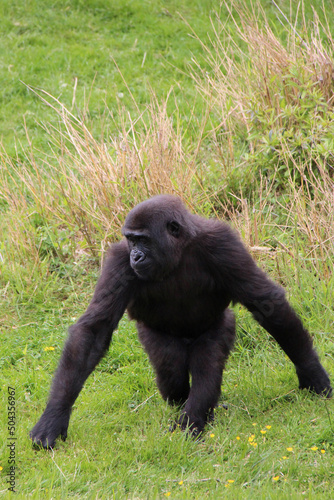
{"x":88,"y":340}
{"x":244,"y":282}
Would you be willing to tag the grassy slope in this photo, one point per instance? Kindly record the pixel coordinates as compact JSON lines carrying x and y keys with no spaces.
{"x":52,"y":46}
{"x":118,"y":440}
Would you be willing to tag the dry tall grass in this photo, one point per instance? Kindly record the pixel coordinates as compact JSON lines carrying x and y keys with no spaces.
{"x":86,"y":185}
{"x":274,"y":104}
{"x":252,"y":69}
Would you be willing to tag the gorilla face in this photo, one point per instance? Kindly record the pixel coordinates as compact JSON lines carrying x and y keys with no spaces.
{"x":153,"y":257}
{"x":141,"y":254}
{"x":155,"y":243}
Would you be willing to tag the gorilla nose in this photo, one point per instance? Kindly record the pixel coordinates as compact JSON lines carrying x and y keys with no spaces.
{"x":138,"y":256}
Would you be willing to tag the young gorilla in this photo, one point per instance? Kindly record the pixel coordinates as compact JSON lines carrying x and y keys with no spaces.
{"x":176,"y":273}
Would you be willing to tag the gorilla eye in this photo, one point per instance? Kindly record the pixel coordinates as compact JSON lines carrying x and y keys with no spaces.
{"x":173,"y":228}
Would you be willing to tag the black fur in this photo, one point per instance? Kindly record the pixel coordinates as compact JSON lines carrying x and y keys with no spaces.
{"x":176,"y":273}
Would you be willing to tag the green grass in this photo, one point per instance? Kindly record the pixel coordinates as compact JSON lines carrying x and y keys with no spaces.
{"x":53,"y":45}
{"x":119,"y":445}
{"x":65,"y":45}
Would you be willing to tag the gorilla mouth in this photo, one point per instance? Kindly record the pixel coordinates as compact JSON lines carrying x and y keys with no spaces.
{"x":145,"y":273}
{"x":142,"y":272}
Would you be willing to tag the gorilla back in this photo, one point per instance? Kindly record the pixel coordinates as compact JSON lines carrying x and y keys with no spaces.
{"x":176,"y":274}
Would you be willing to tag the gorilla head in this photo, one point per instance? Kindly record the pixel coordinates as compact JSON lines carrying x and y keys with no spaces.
{"x":157,"y":231}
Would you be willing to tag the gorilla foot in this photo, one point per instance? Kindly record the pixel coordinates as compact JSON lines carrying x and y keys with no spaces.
{"x":193,"y":427}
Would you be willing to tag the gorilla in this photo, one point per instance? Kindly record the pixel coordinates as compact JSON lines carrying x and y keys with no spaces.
{"x":176,"y":274}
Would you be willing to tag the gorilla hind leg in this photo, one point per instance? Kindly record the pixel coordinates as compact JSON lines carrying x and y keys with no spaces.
{"x":207,"y":357}
{"x":169,"y":358}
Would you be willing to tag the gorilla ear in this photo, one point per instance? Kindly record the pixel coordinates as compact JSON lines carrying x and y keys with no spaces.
{"x":173,"y":227}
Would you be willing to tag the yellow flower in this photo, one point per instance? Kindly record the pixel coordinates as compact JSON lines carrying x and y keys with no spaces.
{"x":231,"y":481}
{"x":212,"y":435}
{"x":168,"y":494}
{"x":285,"y":458}
{"x":49,"y":348}
{"x":263,"y":432}
{"x":1,"y":467}
{"x":251,"y":438}
{"x":314,"y":448}
{"x":254,"y":423}
{"x":180,"y":483}
{"x":322,"y":451}
{"x":238,"y":438}
{"x":289,"y":449}
{"x":275,"y":478}
{"x":268,"y":426}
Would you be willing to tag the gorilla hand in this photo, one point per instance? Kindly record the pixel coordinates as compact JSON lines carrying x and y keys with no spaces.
{"x":53,"y":422}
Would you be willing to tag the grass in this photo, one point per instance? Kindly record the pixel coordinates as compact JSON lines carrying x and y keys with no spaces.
{"x":119,"y":443}
{"x":245,"y":133}
{"x":66,"y":46}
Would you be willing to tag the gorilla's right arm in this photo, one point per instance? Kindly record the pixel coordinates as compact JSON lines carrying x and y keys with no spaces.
{"x":88,"y":341}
